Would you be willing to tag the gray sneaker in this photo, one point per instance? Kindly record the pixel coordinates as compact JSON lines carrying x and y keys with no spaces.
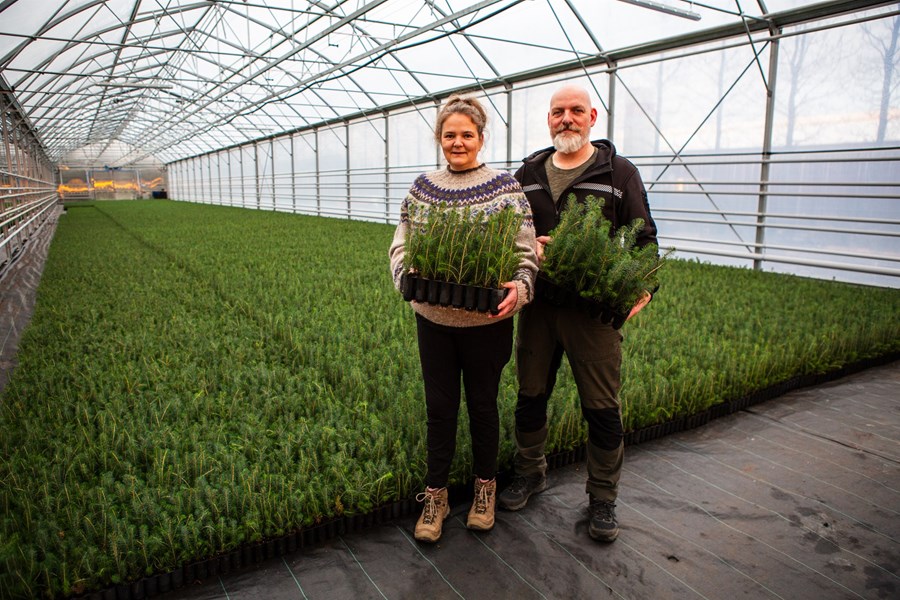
{"x":516,"y":495}
{"x":602,"y":525}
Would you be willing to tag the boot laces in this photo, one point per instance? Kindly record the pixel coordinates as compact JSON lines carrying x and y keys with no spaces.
{"x":603,"y":510}
{"x":482,"y":496}
{"x":430,"y":512}
{"x":519,"y":485}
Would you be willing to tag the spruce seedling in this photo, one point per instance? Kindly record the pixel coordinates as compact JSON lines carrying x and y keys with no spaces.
{"x":600,"y":265}
{"x":462,"y":245}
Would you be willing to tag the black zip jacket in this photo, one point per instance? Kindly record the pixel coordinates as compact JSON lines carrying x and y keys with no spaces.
{"x":611,"y":177}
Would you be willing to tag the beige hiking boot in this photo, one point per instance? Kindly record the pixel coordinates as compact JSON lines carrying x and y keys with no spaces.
{"x":481,"y":515}
{"x":436,"y":509}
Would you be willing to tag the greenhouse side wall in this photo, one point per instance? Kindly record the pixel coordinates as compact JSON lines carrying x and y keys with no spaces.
{"x":746,"y":177}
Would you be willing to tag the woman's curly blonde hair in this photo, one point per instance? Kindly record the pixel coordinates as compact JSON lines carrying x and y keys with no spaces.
{"x":465,"y":105}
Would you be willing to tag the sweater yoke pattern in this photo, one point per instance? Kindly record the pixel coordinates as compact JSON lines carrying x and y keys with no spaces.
{"x":469,"y":189}
{"x":485,"y":192}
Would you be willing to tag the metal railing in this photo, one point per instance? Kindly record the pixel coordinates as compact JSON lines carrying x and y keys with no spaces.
{"x":841,"y":205}
{"x":817,"y":213}
{"x":22,"y":214}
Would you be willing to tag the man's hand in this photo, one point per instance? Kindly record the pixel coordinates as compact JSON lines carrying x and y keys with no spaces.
{"x":641,"y":303}
{"x":542,"y":240}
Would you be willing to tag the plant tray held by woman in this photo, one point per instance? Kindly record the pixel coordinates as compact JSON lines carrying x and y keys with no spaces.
{"x":460,"y":257}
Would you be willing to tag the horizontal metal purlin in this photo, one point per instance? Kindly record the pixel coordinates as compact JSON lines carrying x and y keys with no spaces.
{"x":770,"y":194}
{"x":49,"y":204}
{"x":769,"y":215}
{"x":825,"y":184}
{"x":824,"y":264}
{"x":766,"y":246}
{"x":894,"y":234}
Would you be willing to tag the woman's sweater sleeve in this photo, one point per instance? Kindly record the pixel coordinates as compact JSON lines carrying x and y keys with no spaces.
{"x":526,"y":245}
{"x":397,"y":251}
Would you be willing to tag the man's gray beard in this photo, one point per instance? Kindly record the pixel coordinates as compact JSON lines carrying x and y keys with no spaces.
{"x":569,"y":144}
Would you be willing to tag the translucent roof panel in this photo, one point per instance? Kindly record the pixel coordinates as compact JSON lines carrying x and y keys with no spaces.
{"x":167,"y":80}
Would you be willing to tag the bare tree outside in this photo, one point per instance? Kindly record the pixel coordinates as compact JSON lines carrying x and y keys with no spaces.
{"x":886,"y":44}
{"x":804,"y":83}
{"x":665,"y":72}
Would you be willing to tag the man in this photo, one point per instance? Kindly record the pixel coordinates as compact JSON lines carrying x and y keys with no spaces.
{"x":574,"y":165}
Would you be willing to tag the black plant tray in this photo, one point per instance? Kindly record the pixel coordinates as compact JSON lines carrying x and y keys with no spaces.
{"x":553,"y":294}
{"x":445,"y":293}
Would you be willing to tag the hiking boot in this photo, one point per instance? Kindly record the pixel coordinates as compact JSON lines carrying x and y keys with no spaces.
{"x":602,"y":525}
{"x":481,"y":515}
{"x":516,"y":495}
{"x":436,"y":509}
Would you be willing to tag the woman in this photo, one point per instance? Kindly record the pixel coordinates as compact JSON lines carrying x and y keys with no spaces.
{"x":454,"y":342}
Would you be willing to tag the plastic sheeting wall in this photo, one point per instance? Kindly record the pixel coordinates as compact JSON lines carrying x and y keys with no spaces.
{"x":779,"y":154}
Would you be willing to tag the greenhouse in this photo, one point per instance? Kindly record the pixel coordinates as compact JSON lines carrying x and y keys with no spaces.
{"x":211,"y":386}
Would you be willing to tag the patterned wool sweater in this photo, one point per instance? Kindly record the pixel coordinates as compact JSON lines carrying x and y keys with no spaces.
{"x":481,"y":189}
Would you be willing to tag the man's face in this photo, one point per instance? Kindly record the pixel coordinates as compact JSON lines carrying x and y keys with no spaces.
{"x":570,"y":120}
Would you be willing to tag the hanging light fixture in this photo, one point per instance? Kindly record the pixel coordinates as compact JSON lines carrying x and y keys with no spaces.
{"x":665,"y":8}
{"x":135,"y":84}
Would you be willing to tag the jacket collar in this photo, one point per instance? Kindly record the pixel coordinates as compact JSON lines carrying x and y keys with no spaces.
{"x":603,"y":158}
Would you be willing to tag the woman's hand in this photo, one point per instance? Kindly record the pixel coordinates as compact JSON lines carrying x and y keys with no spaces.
{"x":509,"y":303}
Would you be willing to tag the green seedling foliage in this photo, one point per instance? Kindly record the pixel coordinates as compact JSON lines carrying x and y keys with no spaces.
{"x":198,"y":377}
{"x":463,"y":245}
{"x":585,"y":256}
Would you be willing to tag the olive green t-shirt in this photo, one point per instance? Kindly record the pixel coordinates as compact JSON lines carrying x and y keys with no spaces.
{"x":560,"y":179}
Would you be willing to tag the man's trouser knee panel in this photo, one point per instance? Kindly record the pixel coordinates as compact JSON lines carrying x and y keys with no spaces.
{"x":604,"y":427}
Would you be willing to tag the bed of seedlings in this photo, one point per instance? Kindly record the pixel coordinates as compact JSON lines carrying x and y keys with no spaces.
{"x":196,"y":378}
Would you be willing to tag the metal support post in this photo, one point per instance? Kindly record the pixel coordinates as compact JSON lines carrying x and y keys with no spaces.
{"x":318,"y":175}
{"x":272,"y":162}
{"x":611,"y":115}
{"x":256,"y":171}
{"x":293,"y":177}
{"x":347,"y":164}
{"x":387,"y":169}
{"x":762,"y":204}
{"x":509,"y":125}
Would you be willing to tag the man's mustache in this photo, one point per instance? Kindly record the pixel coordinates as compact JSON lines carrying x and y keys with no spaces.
{"x":570,"y":127}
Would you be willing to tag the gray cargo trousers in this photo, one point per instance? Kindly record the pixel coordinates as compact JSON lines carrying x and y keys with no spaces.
{"x":594,"y":352}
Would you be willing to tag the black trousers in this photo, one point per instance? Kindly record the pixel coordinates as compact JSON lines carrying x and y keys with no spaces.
{"x":476,"y":355}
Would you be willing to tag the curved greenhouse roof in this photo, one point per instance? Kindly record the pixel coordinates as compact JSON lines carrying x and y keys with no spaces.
{"x":144,"y":78}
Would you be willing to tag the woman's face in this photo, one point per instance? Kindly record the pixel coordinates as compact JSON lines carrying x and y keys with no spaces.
{"x":461,"y":142}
